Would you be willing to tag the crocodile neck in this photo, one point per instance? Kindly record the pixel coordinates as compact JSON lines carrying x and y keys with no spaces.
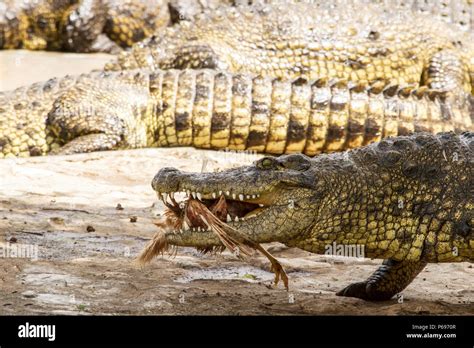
{"x":357,"y":190}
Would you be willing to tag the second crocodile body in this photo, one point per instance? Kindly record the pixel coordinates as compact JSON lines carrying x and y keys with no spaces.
{"x":211,"y":109}
{"x":305,"y":40}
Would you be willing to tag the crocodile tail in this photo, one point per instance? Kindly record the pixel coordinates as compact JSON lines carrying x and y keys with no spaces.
{"x":210,"y":109}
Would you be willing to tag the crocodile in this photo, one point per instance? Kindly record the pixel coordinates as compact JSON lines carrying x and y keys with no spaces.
{"x":304,"y":40}
{"x":408,"y":200}
{"x":211,"y":109}
{"x":457,"y":12}
{"x":36,"y":122}
{"x":79,"y":25}
{"x":97,"y":25}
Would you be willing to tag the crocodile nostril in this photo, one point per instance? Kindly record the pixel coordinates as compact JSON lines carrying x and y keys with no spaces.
{"x":167,"y":170}
{"x":164,"y":175}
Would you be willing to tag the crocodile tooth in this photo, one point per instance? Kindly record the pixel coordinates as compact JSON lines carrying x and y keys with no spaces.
{"x":234,"y":196}
{"x":227,"y":193}
{"x":229,"y":219}
{"x":214,"y":195}
{"x":260,"y":205}
{"x":241,"y":197}
{"x":220,"y":193}
{"x":248,"y":196}
{"x":236,"y":219}
{"x":242,"y":218}
{"x":185,"y":226}
{"x":172,"y":195}
{"x":199,"y":195}
{"x":254,"y":196}
{"x":188,"y":192}
{"x":193,"y":194}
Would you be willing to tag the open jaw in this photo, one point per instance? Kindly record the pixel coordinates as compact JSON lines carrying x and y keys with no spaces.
{"x":216,"y":213}
{"x":226,"y":206}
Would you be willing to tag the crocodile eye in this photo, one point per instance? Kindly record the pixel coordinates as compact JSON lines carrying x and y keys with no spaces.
{"x":265,"y":163}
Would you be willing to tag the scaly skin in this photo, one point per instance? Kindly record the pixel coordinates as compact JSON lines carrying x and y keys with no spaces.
{"x":210,"y":109}
{"x":26,"y":126}
{"x":24,"y":113}
{"x":79,"y":25}
{"x":408,"y":200}
{"x":44,"y":24}
{"x":457,"y":12}
{"x":284,"y":41}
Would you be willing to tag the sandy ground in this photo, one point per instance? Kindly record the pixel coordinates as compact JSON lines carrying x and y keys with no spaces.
{"x":19,"y":67}
{"x":62,"y":213}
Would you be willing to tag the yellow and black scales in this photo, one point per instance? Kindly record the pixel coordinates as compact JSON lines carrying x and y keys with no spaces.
{"x":79,"y":25}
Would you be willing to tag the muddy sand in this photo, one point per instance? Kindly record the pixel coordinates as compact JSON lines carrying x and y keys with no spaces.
{"x":62,"y":213}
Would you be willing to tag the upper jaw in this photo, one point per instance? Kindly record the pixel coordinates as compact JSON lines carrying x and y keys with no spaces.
{"x":229,"y":204}
{"x":229,"y":209}
{"x":195,"y":193}
{"x":169,"y":182}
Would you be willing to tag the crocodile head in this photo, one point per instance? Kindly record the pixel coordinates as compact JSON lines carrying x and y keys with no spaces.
{"x":267,"y":201}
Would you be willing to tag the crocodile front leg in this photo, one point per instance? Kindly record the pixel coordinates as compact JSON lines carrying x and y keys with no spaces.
{"x":388,"y":280}
{"x":100,"y":115}
{"x":88,"y":143}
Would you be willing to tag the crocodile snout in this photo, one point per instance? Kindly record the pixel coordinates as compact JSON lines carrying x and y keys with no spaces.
{"x":165,"y":178}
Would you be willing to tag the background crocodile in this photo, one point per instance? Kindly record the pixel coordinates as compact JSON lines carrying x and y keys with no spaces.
{"x":89,"y":25}
{"x":212,"y":109}
{"x":285,"y":41}
{"x":79,"y":25}
{"x":94,"y":115}
{"x":408,"y":200}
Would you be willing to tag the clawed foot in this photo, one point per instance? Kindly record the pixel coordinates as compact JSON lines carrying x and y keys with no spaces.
{"x":365,"y":291}
{"x":354,"y":290}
